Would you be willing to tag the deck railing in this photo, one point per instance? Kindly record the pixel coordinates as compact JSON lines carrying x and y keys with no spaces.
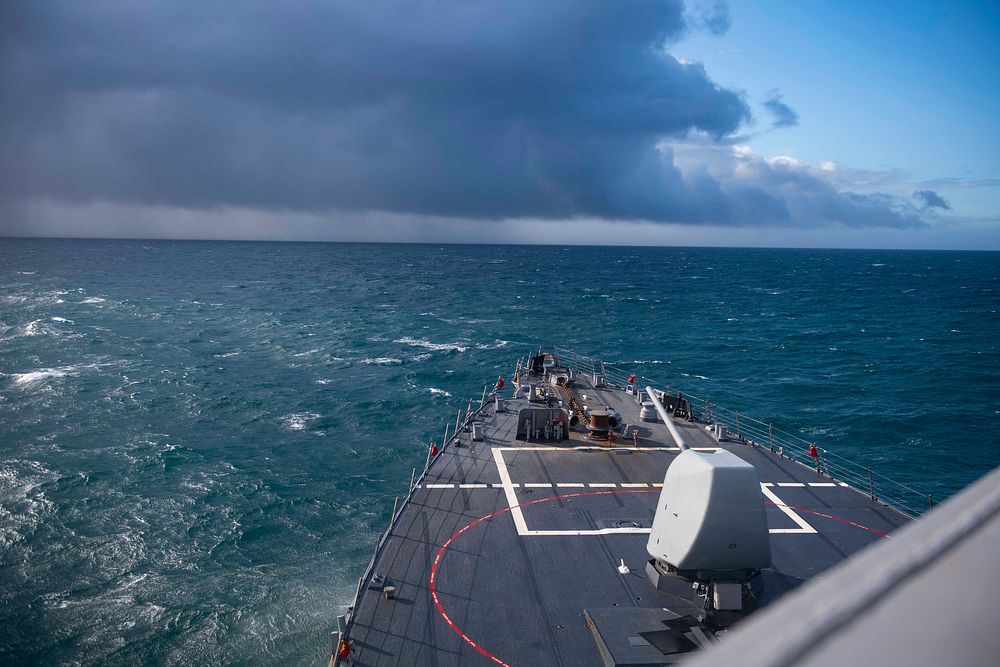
{"x":758,"y":433}
{"x":473,"y":410}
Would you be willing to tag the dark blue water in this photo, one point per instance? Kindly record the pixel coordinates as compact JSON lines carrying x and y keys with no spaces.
{"x":199,"y":442}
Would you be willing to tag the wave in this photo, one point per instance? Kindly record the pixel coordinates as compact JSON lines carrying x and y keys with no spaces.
{"x":497,"y":345}
{"x":382,"y":361}
{"x":39,"y":376}
{"x":94,"y":299}
{"x":37,"y":328}
{"x":440,"y":392}
{"x":427,"y":345}
{"x":299,"y":421}
{"x":62,"y":320}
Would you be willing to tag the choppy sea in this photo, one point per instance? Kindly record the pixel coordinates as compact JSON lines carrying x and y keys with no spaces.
{"x":200,"y":442}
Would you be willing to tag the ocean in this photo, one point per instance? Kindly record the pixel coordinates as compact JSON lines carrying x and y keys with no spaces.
{"x":201,"y":441}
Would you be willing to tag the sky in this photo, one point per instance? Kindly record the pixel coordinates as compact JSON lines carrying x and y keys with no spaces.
{"x":792,"y":123}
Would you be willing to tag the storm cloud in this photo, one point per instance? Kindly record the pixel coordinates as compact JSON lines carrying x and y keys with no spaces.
{"x":473,"y":110}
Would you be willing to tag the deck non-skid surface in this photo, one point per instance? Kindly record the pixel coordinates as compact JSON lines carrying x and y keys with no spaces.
{"x":561,"y":521}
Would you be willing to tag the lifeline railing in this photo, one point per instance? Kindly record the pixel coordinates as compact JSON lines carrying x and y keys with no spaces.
{"x":472,"y":412}
{"x":757,"y":433}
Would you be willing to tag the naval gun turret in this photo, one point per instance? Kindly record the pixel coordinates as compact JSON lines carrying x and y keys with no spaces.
{"x":709,"y":536}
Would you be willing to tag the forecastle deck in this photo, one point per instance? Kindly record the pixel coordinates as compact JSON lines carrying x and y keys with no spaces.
{"x":507,"y":544}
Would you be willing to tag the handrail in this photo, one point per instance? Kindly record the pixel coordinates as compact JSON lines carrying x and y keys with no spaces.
{"x":758,"y":433}
{"x":365,"y":581}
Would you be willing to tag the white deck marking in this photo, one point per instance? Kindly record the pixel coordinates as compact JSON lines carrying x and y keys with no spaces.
{"x":473,"y":486}
{"x":440,"y":486}
{"x":803,"y":527}
{"x":522,"y":527}
{"x":658,"y":484}
{"x":790,"y":484}
{"x":822,"y":484}
{"x":508,"y":490}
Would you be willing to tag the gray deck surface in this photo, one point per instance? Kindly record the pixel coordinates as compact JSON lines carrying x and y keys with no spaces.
{"x":521,"y":597}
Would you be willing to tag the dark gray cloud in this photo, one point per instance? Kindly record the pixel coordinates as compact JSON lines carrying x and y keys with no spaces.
{"x":447,"y":108}
{"x":931,"y":199}
{"x":784,"y":115}
{"x":472,"y":110}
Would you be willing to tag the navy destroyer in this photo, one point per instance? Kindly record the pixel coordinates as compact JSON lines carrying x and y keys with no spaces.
{"x":580,"y":515}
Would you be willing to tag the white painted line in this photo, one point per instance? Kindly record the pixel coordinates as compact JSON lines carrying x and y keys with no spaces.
{"x":803,"y":527}
{"x":570,"y":485}
{"x":602,"y":531}
{"x":800,"y":484}
{"x":595,"y":485}
{"x":473,"y":486}
{"x":844,"y":484}
{"x":540,"y":485}
{"x":500,"y":486}
{"x":822,"y":484}
{"x":640,"y":485}
{"x":658,"y":484}
{"x":522,"y":528}
{"x":767,"y":484}
{"x":508,"y":488}
{"x":440,"y":486}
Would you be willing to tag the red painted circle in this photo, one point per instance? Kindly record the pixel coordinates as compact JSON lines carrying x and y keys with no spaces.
{"x":432,"y":580}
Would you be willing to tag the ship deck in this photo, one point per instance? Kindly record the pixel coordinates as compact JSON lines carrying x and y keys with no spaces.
{"x":509,"y":548}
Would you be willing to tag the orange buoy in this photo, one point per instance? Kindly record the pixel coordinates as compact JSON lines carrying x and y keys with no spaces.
{"x":434,"y":449}
{"x":813,"y":452}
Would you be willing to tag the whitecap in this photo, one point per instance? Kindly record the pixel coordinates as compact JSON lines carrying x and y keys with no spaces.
{"x":93,"y":299}
{"x":441,"y":392}
{"x":39,"y":376}
{"x":497,"y":344}
{"x":427,"y":345}
{"x":62,"y":320}
{"x":299,"y":421}
{"x":36,"y":328}
{"x":381,"y":361}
